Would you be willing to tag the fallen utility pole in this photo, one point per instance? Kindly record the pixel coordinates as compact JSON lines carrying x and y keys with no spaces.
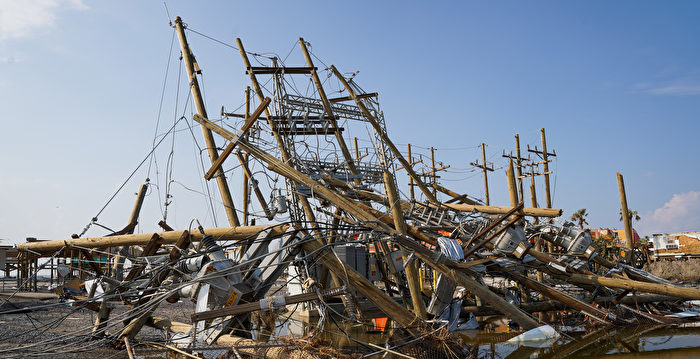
{"x":169,"y":237}
{"x":532,"y":212}
{"x":665,"y":289}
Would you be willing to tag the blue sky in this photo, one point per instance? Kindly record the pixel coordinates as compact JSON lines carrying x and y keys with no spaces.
{"x":615,"y":84}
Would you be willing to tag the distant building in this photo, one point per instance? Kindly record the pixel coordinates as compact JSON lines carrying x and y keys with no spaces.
{"x":677,"y":242}
{"x":617,"y":235}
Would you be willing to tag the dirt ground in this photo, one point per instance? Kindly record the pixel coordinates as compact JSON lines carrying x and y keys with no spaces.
{"x":687,"y":271}
{"x":61,"y":331}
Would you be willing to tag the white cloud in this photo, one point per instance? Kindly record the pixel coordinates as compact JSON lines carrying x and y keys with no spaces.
{"x":678,"y":89}
{"x":680,"y":213}
{"x":23,"y":18}
{"x":8,"y":60}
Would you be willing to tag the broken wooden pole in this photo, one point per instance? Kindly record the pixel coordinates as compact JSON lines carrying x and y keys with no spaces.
{"x":151,"y":248}
{"x":411,"y":268}
{"x":117,"y":267}
{"x":629,"y":234}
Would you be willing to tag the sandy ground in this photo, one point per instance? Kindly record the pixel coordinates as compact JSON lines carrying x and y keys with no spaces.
{"x":681,"y":270}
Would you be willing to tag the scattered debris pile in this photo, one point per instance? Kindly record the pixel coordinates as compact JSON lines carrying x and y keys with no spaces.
{"x":351,"y":248}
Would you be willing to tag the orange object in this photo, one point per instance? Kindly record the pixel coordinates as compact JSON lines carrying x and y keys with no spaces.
{"x":380,"y":324}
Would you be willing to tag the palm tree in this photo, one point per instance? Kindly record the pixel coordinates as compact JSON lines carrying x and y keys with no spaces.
{"x":633,"y":215}
{"x":580,"y":217}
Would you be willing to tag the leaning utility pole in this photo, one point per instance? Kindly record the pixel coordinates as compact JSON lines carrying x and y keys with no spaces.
{"x":246,"y":158}
{"x":519,"y":167}
{"x":625,"y":212}
{"x":485,"y":168}
{"x":190,"y":64}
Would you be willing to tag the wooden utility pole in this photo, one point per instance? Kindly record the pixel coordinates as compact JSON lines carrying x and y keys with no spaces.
{"x":533,"y":189}
{"x":545,"y":161}
{"x":246,"y":157}
{"x":122,"y":252}
{"x":411,"y":268}
{"x":512,"y":190}
{"x":629,"y":241}
{"x":385,"y":138}
{"x":519,"y":167}
{"x":486,"y":169}
{"x":432,"y":172}
{"x":284,"y":152}
{"x":432,"y":165}
{"x":190,"y":65}
{"x":410,"y":179}
{"x":329,"y":111}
